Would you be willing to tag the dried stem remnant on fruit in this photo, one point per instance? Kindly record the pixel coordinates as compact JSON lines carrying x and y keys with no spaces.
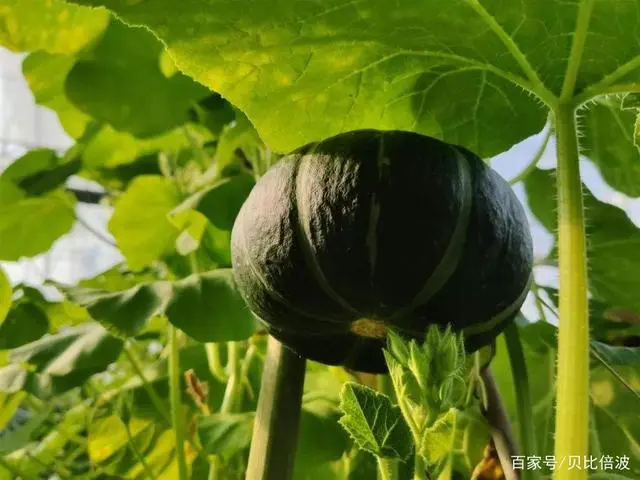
{"x":366,"y":327}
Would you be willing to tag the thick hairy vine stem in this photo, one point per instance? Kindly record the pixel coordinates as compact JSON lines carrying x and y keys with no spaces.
{"x":275,"y":431}
{"x":572,"y":400}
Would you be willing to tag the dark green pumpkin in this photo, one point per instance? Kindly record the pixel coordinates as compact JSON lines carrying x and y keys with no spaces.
{"x":369,"y":229}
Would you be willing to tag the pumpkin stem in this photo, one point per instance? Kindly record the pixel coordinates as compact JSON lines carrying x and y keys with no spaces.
{"x":275,"y":430}
{"x":572,"y":394}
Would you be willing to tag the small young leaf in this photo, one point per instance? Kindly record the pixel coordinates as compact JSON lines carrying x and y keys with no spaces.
{"x":376,"y":425}
{"x":437,"y":440}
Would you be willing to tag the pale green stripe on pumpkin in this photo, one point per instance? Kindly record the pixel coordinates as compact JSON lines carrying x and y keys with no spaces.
{"x":451,"y":258}
{"x":272,"y":292}
{"x":304,"y":235}
{"x":494,"y":321}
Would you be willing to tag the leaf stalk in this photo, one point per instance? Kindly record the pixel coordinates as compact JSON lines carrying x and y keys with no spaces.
{"x":572,"y":404}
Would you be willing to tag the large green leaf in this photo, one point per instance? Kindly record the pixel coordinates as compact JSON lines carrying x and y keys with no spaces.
{"x":30,"y":226}
{"x":125,"y":313}
{"x":55,"y":315}
{"x":320,"y":439}
{"x":226,"y":434}
{"x":117,"y":278}
{"x":140,"y":224}
{"x":462,"y":70}
{"x":57,"y":363}
{"x":221,"y":202}
{"x":46,"y":74}
{"x":40,"y":171}
{"x":284,"y":64}
{"x":25,"y":323}
{"x":5,"y":295}
{"x":608,"y":140}
{"x":208,"y":307}
{"x":50,"y":25}
{"x":120,"y":83}
{"x":109,"y":148}
{"x":612,"y":246}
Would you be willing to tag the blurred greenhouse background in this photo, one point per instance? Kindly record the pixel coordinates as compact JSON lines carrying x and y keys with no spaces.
{"x":86,"y":250}
{"x":25,"y":126}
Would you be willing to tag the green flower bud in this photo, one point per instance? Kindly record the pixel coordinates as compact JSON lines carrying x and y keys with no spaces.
{"x":432,"y":340}
{"x":397,"y":347}
{"x":419,"y":366}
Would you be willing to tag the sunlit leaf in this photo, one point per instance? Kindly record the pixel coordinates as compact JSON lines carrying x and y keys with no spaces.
{"x":140,"y":224}
{"x":110,"y":148}
{"x":46,"y":74}
{"x":50,"y":25}
{"x":30,"y":226}
{"x":456,"y":70}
